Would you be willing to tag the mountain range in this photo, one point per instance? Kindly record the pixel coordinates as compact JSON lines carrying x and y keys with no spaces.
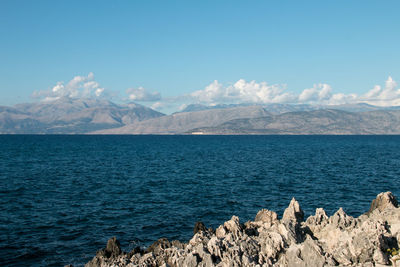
{"x":70,"y":116}
{"x":94,"y":116}
{"x":324,"y":121}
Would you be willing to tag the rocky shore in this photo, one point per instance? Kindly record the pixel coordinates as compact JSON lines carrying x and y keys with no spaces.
{"x":339,"y":240}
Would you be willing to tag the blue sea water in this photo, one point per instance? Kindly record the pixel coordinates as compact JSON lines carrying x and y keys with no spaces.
{"x":62,"y":197}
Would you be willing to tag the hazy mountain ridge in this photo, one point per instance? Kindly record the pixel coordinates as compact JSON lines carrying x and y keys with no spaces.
{"x":273,"y":108}
{"x":70,"y":116}
{"x":284,"y":108}
{"x":271,"y":119}
{"x":94,"y":116}
{"x":179,"y":123}
{"x":313,"y":122}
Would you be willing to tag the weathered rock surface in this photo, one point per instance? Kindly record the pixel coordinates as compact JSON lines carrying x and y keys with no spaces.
{"x":339,"y":240}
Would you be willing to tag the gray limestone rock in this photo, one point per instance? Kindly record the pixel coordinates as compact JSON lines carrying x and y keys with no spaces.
{"x":383,"y":201}
{"x":158,"y":246}
{"x":341,"y":220}
{"x":319,"y":241}
{"x":266,"y":216}
{"x":293,"y":212}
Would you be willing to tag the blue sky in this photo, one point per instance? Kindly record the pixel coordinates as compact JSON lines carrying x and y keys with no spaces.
{"x":170,"y":52}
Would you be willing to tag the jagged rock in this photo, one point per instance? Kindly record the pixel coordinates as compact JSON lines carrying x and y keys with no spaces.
{"x":176,"y":257}
{"x":136,"y":250}
{"x":191,"y":260}
{"x":266,"y":216}
{"x":178,"y":244}
{"x":199,"y":226}
{"x":383,"y":201}
{"x":232,"y":226}
{"x":272,"y":244}
{"x":250,"y":228}
{"x":319,"y":241}
{"x":308,"y":253}
{"x":158,"y":246}
{"x":113,"y":248}
{"x":147,"y":260}
{"x":317,"y":221}
{"x":341,"y":220}
{"x":112,"y":253}
{"x":294,"y":233}
{"x":320,"y":217}
{"x":293,"y":212}
{"x":201,"y":238}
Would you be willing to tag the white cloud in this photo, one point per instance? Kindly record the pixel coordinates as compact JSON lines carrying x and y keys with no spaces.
{"x":378,"y":96}
{"x":386,"y":96}
{"x":99,"y":91}
{"x":211,"y":93}
{"x":182,"y":107}
{"x":79,"y":86}
{"x":158,"y":105}
{"x":141,"y":94}
{"x":318,"y":93}
{"x":242,"y":92}
{"x":340,"y":99}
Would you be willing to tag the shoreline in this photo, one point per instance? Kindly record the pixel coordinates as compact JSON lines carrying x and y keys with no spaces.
{"x":319,"y":240}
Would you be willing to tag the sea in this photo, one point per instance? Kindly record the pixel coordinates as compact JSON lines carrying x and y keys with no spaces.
{"x":63,"y":196}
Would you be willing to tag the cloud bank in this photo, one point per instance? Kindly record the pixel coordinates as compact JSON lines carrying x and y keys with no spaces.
{"x":259,"y":93}
{"x":78,"y":87}
{"x":263,"y":93}
{"x":242,"y":91}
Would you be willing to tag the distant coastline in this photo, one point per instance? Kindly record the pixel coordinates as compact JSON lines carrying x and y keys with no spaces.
{"x":93,"y":116}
